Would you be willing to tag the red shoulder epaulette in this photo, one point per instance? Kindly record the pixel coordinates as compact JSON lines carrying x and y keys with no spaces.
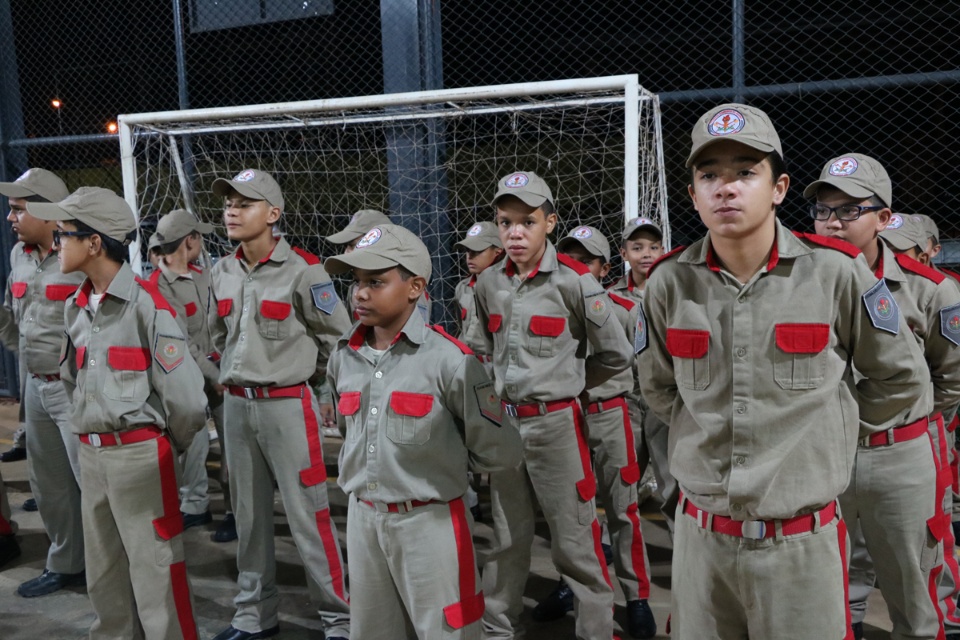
{"x":308,"y":257}
{"x":668,"y":254}
{"x":158,"y":300}
{"x":623,"y":302}
{"x":911,"y":265}
{"x":464,"y":348}
{"x":833,"y":243}
{"x":155,"y":277}
{"x":576,"y":265}
{"x":952,"y":274}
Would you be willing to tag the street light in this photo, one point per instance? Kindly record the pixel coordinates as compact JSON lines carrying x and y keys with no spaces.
{"x":57,"y":104}
{"x":111,"y":127}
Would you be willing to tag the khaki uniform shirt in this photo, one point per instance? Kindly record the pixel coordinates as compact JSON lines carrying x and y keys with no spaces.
{"x":276,"y":323}
{"x":623,"y":383}
{"x":127,"y":365}
{"x":464,"y":295}
{"x":625,"y":288}
{"x":755,"y":379}
{"x":414,"y":418}
{"x":189,"y":294}
{"x":538,"y":329}
{"x":930,"y":303}
{"x":31,"y":321}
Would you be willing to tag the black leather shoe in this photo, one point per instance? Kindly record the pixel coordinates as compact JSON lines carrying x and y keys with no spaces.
{"x":9,"y":549}
{"x":196,"y":519}
{"x":640,"y":620}
{"x":232,"y":633}
{"x":607,"y":552}
{"x":227,"y":531}
{"x":13,"y":455}
{"x":857,"y":628}
{"x":30,"y":504}
{"x":49,"y":582}
{"x":556,"y":605}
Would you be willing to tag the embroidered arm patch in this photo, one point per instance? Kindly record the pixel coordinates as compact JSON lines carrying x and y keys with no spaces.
{"x":169,"y":351}
{"x":950,"y":323}
{"x":489,"y":402}
{"x":640,"y":334}
{"x":597,"y":308}
{"x":324,"y":297}
{"x":882,"y":308}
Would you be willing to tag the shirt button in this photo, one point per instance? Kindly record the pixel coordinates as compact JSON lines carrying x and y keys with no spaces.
{"x":29,"y":319}
{"x":741,"y":408}
{"x":741,"y":460}
{"x":39,"y":270}
{"x":741,"y":352}
{"x":513,"y":357}
{"x":372,"y":448}
{"x":96,"y":329}
{"x":378,"y":375}
{"x":372,"y":486}
{"x":249,"y":279}
{"x":242,"y":337}
{"x":736,"y":506}
{"x":742,"y":299}
{"x":93,"y":362}
{"x":374,"y":411}
{"x":90,"y":398}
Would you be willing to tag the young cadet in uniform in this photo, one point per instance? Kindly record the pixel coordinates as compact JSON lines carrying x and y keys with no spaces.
{"x":482,"y":248}
{"x":752,"y":336}
{"x":901,"y":523}
{"x":137,"y":396}
{"x":186,"y":285}
{"x":275,"y":318}
{"x":408,"y":440}
{"x":611,"y":439}
{"x":153,"y":251}
{"x":33,"y":305}
{"x":539,"y":312}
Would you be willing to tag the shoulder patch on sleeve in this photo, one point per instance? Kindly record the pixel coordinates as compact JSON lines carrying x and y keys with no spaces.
{"x":324,"y":297}
{"x":576,"y":265}
{"x":663,"y":258}
{"x":950,"y":323}
{"x":831,"y":243}
{"x":464,"y":348}
{"x":308,"y":257}
{"x":623,"y":302}
{"x":882,"y":308}
{"x":597,"y":307}
{"x":489,"y":402}
{"x":158,"y":300}
{"x":640,"y":333}
{"x":169,"y":351}
{"x":909,"y":264}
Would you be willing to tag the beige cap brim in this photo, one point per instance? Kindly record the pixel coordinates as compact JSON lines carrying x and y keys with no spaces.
{"x":48,"y":211}
{"x":744,"y":140}
{"x":849,"y":188}
{"x":222,"y":187}
{"x":363,"y":259}
{"x":899,"y":241}
{"x":531,"y":199}
{"x":345,"y":236}
{"x":475,"y":244}
{"x":14,"y":190}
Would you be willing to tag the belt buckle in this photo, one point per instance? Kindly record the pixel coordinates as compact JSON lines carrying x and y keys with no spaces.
{"x":511,"y":409}
{"x":94,"y":439}
{"x":753,"y":529}
{"x":381,"y":507}
{"x":250,"y":393}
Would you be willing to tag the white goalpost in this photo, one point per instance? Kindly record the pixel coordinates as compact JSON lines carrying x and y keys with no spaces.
{"x":428,"y":159}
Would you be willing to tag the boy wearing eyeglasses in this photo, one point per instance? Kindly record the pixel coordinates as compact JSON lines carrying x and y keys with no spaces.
{"x":898,"y":485}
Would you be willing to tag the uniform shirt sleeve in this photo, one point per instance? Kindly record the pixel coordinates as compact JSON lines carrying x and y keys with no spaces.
{"x":655,"y":373}
{"x":218,"y":326}
{"x":481,"y":339}
{"x":611,"y":350}
{"x":9,"y":333}
{"x":333,"y":366}
{"x":943,"y":353}
{"x":68,"y":364}
{"x":210,"y":371}
{"x":327,"y":323}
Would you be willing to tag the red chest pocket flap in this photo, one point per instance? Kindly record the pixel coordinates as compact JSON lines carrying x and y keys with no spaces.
{"x":190,"y":308}
{"x":18,"y":289}
{"x":547,"y":326}
{"x":60,"y":292}
{"x":463,"y":313}
{"x":688,"y":343}
{"x":349,"y":403}
{"x":802,"y":338}
{"x":81,"y":356}
{"x":128,"y":358}
{"x":494,"y":322}
{"x":411,"y":404}
{"x":224,"y":306}
{"x":275,"y":310}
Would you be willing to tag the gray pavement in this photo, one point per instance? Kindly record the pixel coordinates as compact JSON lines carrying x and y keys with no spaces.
{"x":67,"y":615}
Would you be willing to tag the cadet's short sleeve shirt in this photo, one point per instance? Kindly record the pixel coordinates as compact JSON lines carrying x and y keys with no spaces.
{"x":190,"y":295}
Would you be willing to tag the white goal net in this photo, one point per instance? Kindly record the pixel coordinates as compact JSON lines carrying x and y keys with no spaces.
{"x":430,"y":160}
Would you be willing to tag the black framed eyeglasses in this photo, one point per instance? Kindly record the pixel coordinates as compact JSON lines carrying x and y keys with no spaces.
{"x":57,"y":234}
{"x":844,"y":213}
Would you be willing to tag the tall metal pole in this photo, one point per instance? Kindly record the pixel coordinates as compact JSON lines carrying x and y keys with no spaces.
{"x":739,"y":73}
{"x":183,"y":95}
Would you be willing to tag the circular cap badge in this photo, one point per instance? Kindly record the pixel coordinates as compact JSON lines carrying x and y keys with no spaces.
{"x":896,"y":221}
{"x":370,"y":238}
{"x":245,"y":176}
{"x":844,"y":167}
{"x":581,"y":233}
{"x":474,"y":230}
{"x":641,"y":221}
{"x":726,"y":122}
{"x":516,"y":181}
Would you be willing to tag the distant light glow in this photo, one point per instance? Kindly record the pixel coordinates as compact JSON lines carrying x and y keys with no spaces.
{"x":111,"y":127}
{"x":56,"y":103}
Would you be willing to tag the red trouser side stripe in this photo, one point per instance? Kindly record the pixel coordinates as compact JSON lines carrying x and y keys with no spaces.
{"x":636,"y":552}
{"x":934,"y":574}
{"x":170,"y":494}
{"x":598,"y":550}
{"x":313,"y":430}
{"x":628,"y":436}
{"x":469,"y":608}
{"x":587,"y":487}
{"x":842,"y":537}
{"x":331,"y":552}
{"x":5,"y":528}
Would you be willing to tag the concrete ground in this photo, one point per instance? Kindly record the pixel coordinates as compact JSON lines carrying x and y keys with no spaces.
{"x":66,"y":615}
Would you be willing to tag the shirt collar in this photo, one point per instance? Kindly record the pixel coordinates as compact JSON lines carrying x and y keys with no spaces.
{"x":887,"y":266}
{"x":120,"y":287}
{"x":171,"y":275}
{"x":280,"y":253}
{"x":785,"y":245}
{"x":548,"y":262}
{"x":414,"y":330}
{"x":473,"y":281}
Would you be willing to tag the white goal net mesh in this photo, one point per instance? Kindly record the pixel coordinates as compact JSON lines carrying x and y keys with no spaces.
{"x":432,"y":167}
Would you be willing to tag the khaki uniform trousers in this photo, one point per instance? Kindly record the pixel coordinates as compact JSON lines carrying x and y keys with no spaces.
{"x":194,"y":492}
{"x":413,"y":574}
{"x":655,"y":435}
{"x":611,"y":438}
{"x":556,"y":472}
{"x":893,"y":494}
{"x":279,"y":439}
{"x":792,"y":588}
{"x":136,"y":574}
{"x":54,"y":468}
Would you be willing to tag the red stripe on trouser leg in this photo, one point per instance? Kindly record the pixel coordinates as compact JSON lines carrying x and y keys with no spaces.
{"x":628,"y":436}
{"x":636,"y":552}
{"x":330,"y":551}
{"x":932,"y":587}
{"x":469,"y":609}
{"x":5,"y":528}
{"x":313,"y":429}
{"x":587,"y":487}
{"x":170,"y":494}
{"x":598,"y":550}
{"x":842,"y":538}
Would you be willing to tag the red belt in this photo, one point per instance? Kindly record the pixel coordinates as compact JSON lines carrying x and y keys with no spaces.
{"x":759,"y":529}
{"x":295,"y":391}
{"x":529,"y":409}
{"x":897,"y":434}
{"x":605,"y":405}
{"x":140,"y":434}
{"x":46,"y":377}
{"x":399,"y":507}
